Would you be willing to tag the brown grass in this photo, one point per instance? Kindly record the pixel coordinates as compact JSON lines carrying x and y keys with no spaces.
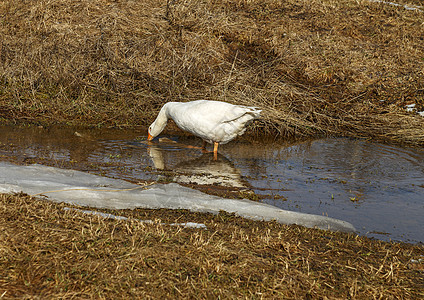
{"x":47,"y":252}
{"x":319,"y":67}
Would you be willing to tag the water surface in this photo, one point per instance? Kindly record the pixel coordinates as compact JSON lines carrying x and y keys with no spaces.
{"x":378,"y":188}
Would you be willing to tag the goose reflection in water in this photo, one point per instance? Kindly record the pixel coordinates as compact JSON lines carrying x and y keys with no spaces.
{"x":203,"y":170}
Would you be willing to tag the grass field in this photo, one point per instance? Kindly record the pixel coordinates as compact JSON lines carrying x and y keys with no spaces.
{"x":316,"y":67}
{"x":47,"y":252}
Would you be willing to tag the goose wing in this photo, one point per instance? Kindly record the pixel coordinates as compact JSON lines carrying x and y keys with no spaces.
{"x":212,"y":120}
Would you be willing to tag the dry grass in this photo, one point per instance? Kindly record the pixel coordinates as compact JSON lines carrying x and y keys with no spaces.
{"x":47,"y":252}
{"x":316,"y":67}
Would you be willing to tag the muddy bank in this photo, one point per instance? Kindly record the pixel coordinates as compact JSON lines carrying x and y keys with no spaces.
{"x":315,"y":68}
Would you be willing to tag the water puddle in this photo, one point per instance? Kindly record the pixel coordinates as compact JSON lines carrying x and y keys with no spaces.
{"x":378,"y":188}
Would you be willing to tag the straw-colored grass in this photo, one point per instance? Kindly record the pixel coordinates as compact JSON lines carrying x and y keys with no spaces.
{"x":316,"y":67}
{"x":47,"y":252}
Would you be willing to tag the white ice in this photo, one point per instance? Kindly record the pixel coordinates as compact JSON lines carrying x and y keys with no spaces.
{"x":410,"y":107}
{"x":111,"y":216}
{"x":90,"y":190}
{"x":405,"y":6}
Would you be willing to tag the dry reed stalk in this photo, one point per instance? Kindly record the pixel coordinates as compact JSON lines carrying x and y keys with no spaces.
{"x":339,"y":68}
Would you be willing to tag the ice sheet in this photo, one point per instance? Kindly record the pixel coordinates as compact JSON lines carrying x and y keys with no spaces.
{"x":96,"y":191}
{"x":111,"y":216}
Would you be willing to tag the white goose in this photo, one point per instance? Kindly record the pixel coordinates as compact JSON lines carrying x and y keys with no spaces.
{"x":214,"y":121}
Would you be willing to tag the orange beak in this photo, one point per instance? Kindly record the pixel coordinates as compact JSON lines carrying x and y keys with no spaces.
{"x":149,"y":137}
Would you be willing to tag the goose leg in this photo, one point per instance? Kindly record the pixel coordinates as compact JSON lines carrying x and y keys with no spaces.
{"x":215,"y":150}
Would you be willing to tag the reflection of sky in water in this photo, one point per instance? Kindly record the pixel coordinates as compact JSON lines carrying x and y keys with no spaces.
{"x":378,"y":188}
{"x":375,"y":187}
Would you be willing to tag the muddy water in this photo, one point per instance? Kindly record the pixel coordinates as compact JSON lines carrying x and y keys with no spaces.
{"x":378,"y":188}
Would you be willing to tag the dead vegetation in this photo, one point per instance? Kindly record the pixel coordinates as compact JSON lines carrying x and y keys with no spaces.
{"x":47,"y":252}
{"x":316,"y":67}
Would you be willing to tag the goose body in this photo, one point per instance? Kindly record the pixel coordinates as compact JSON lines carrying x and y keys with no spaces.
{"x":214,"y":121}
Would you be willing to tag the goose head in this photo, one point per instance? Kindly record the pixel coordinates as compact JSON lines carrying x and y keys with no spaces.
{"x":158,"y":125}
